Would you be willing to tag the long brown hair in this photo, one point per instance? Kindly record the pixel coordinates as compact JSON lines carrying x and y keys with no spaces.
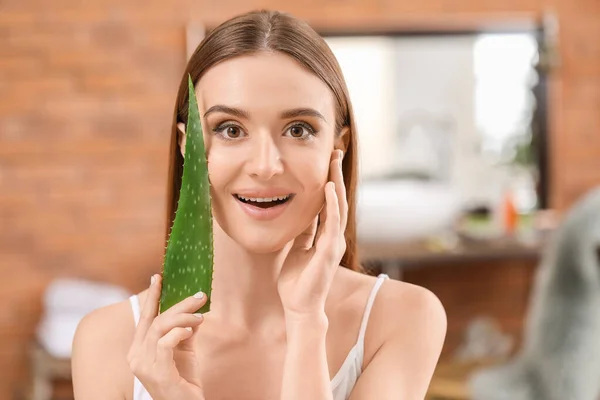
{"x":272,"y":31}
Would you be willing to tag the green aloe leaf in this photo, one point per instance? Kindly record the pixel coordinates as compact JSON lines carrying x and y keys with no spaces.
{"x":188,"y":261}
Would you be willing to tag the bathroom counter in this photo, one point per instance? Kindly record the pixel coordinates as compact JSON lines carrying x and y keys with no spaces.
{"x":394,"y":257}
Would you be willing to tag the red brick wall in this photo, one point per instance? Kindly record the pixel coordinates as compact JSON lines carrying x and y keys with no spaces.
{"x":87,"y":95}
{"x":499,"y":289}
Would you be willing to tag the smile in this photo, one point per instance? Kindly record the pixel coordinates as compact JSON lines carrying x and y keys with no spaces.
{"x":264,"y":202}
{"x":264,"y":208}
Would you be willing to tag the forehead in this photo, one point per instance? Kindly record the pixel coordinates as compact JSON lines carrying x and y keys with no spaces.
{"x":264,"y":81}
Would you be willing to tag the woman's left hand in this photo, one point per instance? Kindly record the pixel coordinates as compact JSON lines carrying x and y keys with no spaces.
{"x":308,"y":270}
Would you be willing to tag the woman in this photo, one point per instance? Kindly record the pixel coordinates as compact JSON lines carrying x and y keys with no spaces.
{"x":292,"y":316}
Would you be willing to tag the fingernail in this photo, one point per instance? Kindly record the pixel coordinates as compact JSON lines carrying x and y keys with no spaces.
{"x":198,"y":315}
{"x":188,"y":328}
{"x":199,"y":295}
{"x":152,"y":280}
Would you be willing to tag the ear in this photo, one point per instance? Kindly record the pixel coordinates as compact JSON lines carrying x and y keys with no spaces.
{"x":342,"y":141}
{"x":181,"y":137}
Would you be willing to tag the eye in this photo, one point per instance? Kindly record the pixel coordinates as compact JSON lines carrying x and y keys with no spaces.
{"x":229,"y":131}
{"x":301,"y":130}
{"x":233,"y":132}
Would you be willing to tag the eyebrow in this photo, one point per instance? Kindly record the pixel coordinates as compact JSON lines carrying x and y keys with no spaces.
{"x":302,"y":112}
{"x":293,"y":113}
{"x":236,"y":112}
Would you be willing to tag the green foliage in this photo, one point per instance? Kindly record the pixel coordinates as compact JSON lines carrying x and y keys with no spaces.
{"x":188,"y":261}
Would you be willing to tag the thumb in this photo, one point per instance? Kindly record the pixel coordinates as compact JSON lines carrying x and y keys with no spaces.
{"x":305,"y":240}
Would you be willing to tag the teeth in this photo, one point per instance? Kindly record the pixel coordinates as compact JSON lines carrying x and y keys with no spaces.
{"x":263,"y":199}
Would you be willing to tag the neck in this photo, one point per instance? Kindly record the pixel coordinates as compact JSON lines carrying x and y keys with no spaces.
{"x":245,"y":284}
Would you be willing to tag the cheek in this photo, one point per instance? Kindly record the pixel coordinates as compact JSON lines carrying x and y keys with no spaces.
{"x":220,"y":174}
{"x":313,"y":171}
{"x":220,"y":165}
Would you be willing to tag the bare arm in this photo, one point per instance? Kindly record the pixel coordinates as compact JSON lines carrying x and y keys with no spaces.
{"x":305,"y":370}
{"x":98,"y":360}
{"x":404,"y":364}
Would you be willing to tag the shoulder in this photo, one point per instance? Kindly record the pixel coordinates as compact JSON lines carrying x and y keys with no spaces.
{"x":409,"y":311}
{"x":397,"y":305}
{"x":405,"y":333}
{"x":99,"y":355}
{"x":401,"y":309}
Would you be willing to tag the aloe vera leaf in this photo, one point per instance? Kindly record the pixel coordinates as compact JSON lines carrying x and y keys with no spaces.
{"x":188,"y":261}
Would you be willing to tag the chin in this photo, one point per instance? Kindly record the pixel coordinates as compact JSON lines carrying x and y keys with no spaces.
{"x":255,"y":239}
{"x":259,"y":244}
{"x":259,"y":239}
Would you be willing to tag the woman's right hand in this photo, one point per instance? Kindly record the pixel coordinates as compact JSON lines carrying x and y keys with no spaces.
{"x":162,"y":355}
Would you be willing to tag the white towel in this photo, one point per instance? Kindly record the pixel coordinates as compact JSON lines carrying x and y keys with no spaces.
{"x":66,"y":302}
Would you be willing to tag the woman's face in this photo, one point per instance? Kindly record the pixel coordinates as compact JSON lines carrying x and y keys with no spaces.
{"x":269,"y":133}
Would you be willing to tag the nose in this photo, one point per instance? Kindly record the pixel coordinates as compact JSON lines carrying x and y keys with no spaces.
{"x":265,"y":158}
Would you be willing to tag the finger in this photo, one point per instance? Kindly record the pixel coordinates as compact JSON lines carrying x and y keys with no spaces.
{"x":188,"y":305}
{"x":165,"y":346}
{"x":166,"y":320}
{"x":164,"y":323}
{"x":322,"y":218}
{"x":306,"y":239}
{"x":340,"y":187}
{"x":334,"y":166}
{"x":331,"y":227}
{"x":150,"y":309}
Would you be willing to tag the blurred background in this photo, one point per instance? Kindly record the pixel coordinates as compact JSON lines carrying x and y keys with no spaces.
{"x":478,"y":129}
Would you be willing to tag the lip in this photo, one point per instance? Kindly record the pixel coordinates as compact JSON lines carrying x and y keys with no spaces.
{"x":263,"y":214}
{"x":256,"y":193}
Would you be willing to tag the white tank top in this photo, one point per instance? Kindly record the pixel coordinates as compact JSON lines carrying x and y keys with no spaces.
{"x":344,"y":380}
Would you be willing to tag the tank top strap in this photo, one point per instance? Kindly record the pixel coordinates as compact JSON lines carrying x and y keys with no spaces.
{"x":135,"y":308}
{"x":370,"y":301}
